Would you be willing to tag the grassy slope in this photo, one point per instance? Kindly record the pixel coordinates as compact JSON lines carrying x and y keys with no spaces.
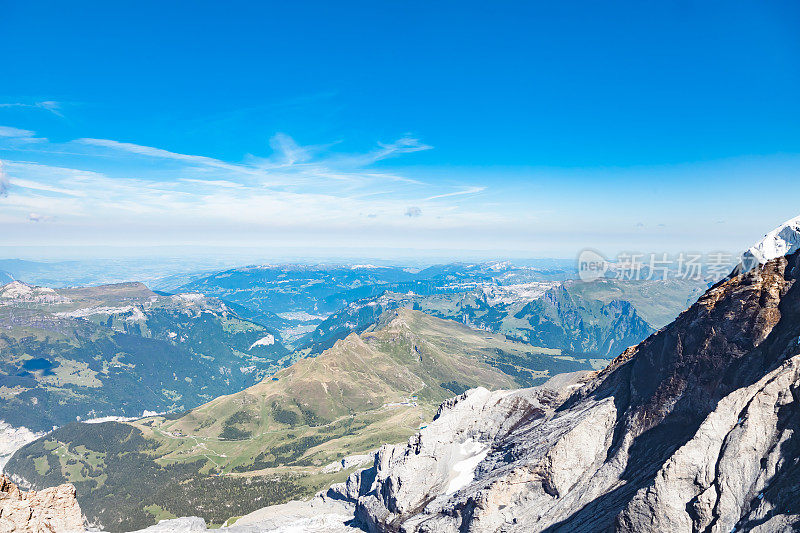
{"x":351,"y":386}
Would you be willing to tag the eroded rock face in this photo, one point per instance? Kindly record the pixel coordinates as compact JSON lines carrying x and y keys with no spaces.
{"x":695,"y":429}
{"x":50,"y":510}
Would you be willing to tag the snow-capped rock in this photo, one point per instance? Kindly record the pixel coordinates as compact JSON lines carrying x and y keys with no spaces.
{"x":783,"y":240}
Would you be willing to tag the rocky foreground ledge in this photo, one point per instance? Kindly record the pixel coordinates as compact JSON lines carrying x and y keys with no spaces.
{"x":50,"y":510}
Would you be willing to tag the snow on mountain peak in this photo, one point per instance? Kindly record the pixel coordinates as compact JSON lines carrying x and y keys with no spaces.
{"x":16,"y":289}
{"x":783,"y":240}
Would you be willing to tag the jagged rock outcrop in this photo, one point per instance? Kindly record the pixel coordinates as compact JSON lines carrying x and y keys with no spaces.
{"x":53,"y":509}
{"x":695,"y":429}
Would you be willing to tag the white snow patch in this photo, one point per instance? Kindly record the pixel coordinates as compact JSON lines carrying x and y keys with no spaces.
{"x":472,"y":454}
{"x":12,"y":439}
{"x":101,"y":310}
{"x":498,"y":266}
{"x":146,"y":413}
{"x":521,"y":292}
{"x":189,"y":297}
{"x":137,"y":316}
{"x":783,"y":240}
{"x":17,"y":290}
{"x":101,"y":419}
{"x":263,"y":341}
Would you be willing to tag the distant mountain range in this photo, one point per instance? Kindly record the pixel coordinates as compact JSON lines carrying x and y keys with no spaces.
{"x":589,"y":319}
{"x":120,"y":350}
{"x":295,"y":299}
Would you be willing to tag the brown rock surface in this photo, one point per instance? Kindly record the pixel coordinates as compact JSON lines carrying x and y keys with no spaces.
{"x":52,"y":510}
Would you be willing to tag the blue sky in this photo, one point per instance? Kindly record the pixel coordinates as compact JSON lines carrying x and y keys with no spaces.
{"x":532,"y":127}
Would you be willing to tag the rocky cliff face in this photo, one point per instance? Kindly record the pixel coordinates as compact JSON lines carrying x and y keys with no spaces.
{"x":694,"y":429}
{"x":50,"y":510}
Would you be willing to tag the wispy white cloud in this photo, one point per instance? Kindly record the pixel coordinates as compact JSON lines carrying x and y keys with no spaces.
{"x":289,"y":150}
{"x":7,"y":131}
{"x":404,"y":145}
{"x":107,"y":188}
{"x":47,"y":105}
{"x":465,"y":190}
{"x":37,"y":186}
{"x":213,"y":183}
{"x":149,"y":151}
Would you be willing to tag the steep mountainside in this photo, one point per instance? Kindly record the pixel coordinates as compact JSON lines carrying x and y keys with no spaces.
{"x":120,"y":350}
{"x":285,"y":432}
{"x":694,"y":429}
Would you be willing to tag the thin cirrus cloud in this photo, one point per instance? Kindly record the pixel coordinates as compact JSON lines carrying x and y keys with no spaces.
{"x":149,"y":151}
{"x":101,"y":183}
{"x":465,"y":190}
{"x":47,"y":105}
{"x":15,"y":133}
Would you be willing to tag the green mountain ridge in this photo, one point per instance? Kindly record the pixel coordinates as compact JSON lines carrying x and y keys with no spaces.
{"x":294,"y":299}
